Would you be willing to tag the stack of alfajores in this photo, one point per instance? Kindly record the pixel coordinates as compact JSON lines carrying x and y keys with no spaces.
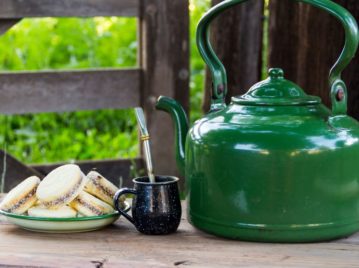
{"x":64,"y":193}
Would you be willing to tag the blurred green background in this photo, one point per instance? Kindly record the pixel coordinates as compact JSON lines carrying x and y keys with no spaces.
{"x":76,"y":43}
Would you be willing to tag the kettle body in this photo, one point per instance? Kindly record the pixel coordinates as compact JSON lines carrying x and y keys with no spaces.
{"x":275,"y":164}
{"x":255,"y":174}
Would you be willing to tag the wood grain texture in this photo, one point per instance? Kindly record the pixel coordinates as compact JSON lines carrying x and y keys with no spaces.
{"x":6,"y":24}
{"x":305,"y":42}
{"x":299,"y":44}
{"x":350,"y":74}
{"x":120,"y":245}
{"x":164,"y":57}
{"x":12,"y":171}
{"x":117,"y":171}
{"x":284,"y":37}
{"x":10,"y":9}
{"x":57,"y":91}
{"x":237,"y":39}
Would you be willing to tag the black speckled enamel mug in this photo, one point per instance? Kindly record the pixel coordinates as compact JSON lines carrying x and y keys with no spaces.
{"x":156,"y":207}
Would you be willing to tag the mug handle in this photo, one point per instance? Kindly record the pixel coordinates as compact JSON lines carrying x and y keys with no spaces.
{"x":115,"y":200}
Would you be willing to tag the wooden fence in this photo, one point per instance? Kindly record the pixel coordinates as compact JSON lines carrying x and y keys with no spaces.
{"x":302,"y":40}
{"x":163,"y":61}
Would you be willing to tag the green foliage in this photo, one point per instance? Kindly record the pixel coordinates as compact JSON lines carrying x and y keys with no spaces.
{"x":69,"y":43}
{"x":197,"y":8}
{"x":264,"y":73}
{"x":69,"y":136}
{"x":75,"y":43}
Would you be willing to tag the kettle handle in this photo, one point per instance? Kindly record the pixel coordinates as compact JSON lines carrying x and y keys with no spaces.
{"x":338,"y":89}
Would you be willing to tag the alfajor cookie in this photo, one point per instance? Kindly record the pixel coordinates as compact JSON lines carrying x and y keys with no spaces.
{"x":61,"y":212}
{"x":89,"y":205}
{"x":22,"y":197}
{"x":61,"y":186}
{"x":100,"y":187}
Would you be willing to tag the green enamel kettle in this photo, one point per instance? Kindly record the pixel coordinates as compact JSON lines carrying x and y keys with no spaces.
{"x":275,"y":164}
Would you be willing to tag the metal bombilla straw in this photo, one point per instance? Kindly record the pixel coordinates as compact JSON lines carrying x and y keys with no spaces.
{"x":145,"y":138}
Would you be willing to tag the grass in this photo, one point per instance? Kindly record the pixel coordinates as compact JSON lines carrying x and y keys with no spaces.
{"x":71,"y":43}
{"x":76,"y":43}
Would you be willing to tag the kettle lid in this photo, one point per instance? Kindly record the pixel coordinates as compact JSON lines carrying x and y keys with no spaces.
{"x":276,"y":90}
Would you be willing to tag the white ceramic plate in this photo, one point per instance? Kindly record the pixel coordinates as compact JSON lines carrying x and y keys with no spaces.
{"x":62,"y":225}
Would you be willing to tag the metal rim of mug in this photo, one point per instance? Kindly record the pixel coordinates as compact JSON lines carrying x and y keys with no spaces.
{"x":172,"y":179}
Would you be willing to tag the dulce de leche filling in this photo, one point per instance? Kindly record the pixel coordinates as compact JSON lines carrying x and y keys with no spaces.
{"x":65,"y":198}
{"x":22,"y":201}
{"x":95,"y":210}
{"x":105,"y":190}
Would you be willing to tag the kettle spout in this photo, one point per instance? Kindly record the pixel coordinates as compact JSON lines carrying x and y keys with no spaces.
{"x":179,"y":118}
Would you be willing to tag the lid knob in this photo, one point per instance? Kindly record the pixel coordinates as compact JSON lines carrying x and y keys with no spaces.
{"x":276,"y":73}
{"x":276,"y":90}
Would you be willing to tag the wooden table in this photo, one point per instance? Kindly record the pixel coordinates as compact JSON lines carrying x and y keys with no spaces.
{"x":121,"y":245}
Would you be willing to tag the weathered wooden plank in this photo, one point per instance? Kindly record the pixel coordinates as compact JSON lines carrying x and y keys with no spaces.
{"x":10,"y":9}
{"x":164,"y":57}
{"x":120,"y":245}
{"x":117,"y":170}
{"x":284,"y":37}
{"x":305,"y":42}
{"x":6,"y":24}
{"x":292,"y":45}
{"x":237,"y":39}
{"x":12,"y":172}
{"x":350,"y":74}
{"x":57,"y":91}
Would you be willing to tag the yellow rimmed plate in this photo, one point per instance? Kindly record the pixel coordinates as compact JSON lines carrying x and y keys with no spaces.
{"x":62,"y":225}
